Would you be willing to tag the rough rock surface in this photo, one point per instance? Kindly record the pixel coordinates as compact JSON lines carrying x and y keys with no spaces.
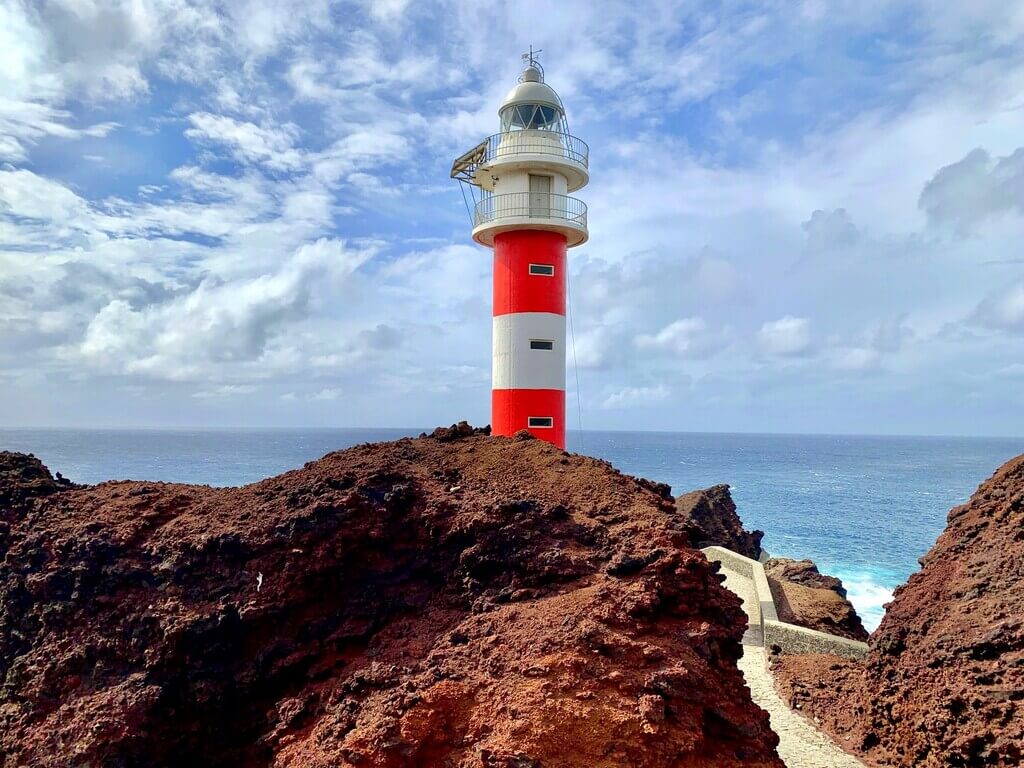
{"x":823,"y":685}
{"x":465,"y":601}
{"x":943,"y":684}
{"x":22,"y":479}
{"x":712,"y":513}
{"x":457,"y":432}
{"x":811,"y":599}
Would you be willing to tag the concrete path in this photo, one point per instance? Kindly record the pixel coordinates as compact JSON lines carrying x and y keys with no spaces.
{"x":801,"y":745}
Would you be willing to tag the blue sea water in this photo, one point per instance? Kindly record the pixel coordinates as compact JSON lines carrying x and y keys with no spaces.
{"x":863,"y":508}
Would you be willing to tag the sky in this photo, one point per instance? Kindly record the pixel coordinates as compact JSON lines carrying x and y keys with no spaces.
{"x":804,"y":217}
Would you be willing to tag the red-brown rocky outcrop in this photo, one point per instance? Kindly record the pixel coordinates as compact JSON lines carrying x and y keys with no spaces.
{"x":23,"y":478}
{"x":713,"y":517}
{"x":811,"y":599}
{"x":943,"y":683}
{"x":461,"y":601}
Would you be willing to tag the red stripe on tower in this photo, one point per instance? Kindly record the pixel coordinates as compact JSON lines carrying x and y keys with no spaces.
{"x":513,"y":409}
{"x":525,"y":213}
{"x":529,"y":272}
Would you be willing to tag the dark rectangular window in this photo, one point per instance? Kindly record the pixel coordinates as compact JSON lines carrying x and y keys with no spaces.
{"x":541,"y":344}
{"x":540,"y":421}
{"x":542,"y":269}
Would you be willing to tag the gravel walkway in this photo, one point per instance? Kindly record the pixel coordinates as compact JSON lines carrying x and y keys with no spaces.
{"x":801,"y":745}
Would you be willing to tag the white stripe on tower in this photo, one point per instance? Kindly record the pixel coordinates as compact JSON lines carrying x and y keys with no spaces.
{"x":516,"y":363}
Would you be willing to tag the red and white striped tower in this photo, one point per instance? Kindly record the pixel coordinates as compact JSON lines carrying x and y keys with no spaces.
{"x":524,"y":213}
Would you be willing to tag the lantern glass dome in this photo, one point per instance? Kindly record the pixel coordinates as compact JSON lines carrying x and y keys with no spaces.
{"x":538,"y":117}
{"x":532,"y":106}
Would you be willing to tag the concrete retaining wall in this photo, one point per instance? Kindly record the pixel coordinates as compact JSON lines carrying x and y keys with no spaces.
{"x":793,"y":639}
{"x":741,"y":564}
{"x":789,"y":637}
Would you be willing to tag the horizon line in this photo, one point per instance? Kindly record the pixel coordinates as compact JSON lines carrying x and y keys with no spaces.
{"x":250,"y":428}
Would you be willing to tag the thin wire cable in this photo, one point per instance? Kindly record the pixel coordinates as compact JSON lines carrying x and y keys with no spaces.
{"x":462,"y":189}
{"x":575,"y":365}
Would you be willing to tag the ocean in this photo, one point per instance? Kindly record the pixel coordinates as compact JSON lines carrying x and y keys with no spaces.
{"x":863,"y":508}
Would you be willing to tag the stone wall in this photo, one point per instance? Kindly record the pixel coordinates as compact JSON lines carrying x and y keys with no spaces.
{"x":789,"y":638}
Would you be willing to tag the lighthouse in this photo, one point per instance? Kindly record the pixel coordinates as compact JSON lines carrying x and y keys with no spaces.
{"x":522,"y":179}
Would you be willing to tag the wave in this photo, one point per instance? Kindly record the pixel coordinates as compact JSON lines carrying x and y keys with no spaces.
{"x":869,"y":592}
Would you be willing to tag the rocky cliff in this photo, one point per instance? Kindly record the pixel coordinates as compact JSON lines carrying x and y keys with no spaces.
{"x":455,"y":600}
{"x":943,"y":684}
{"x":712,"y":515}
{"x":811,"y":599}
{"x":24,"y":478}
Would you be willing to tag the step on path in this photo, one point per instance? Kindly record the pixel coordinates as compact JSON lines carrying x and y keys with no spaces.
{"x":801,"y":745}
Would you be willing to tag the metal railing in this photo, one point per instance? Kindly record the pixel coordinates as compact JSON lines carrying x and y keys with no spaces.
{"x":529,"y":142}
{"x":534,"y":205}
{"x":538,"y":143}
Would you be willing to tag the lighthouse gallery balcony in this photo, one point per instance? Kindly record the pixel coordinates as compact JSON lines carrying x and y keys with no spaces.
{"x":518,"y":149}
{"x":530,"y":210}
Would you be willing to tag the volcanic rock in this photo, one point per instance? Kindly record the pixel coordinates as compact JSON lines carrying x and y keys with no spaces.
{"x":712,"y":514}
{"x":475,"y":602}
{"x":23,"y":478}
{"x":457,"y":432}
{"x":811,"y":599}
{"x":943,"y":683}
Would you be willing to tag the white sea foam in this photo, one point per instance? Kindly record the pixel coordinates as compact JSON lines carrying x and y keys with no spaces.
{"x":867,"y":594}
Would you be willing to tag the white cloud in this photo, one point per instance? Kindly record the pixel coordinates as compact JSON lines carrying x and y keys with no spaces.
{"x":689,"y":337}
{"x":263,"y":27}
{"x":1003,"y":310}
{"x":964,"y":194}
{"x":599,"y":348}
{"x":1013,"y":371}
{"x":892,"y":334}
{"x":23,"y":54}
{"x":830,"y":229}
{"x":23,"y":123}
{"x":225,"y":390}
{"x":218,"y":324}
{"x":631,"y":397}
{"x":871,"y":349}
{"x":856,"y":359}
{"x":25,"y":194}
{"x":387,"y":10}
{"x":359,"y":149}
{"x":249,"y":143}
{"x":327,"y":393}
{"x":100,"y":46}
{"x":51,"y":53}
{"x":786,"y":337}
{"x":100,"y":54}
{"x":366,"y":61}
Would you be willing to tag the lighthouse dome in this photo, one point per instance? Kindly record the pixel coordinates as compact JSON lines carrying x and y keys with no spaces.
{"x":532,"y":105}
